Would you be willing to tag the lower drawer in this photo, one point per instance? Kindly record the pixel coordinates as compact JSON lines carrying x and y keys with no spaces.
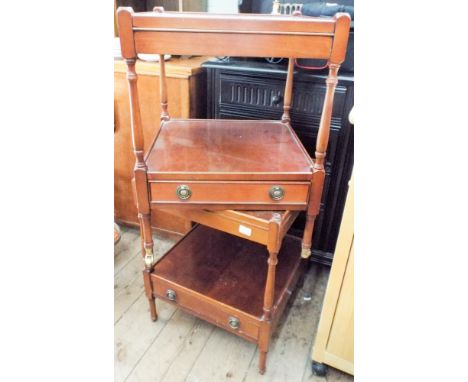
{"x":243,"y":194}
{"x":206,"y":308}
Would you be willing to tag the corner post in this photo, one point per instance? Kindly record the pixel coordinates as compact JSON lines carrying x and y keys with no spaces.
{"x":273,"y":247}
{"x":127,"y":44}
{"x":162,"y":79}
{"x":337,"y":56}
{"x":286,"y":118}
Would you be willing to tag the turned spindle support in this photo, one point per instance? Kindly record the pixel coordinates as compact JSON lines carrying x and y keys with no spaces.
{"x":273,"y":246}
{"x":319,"y":162}
{"x":163,"y":88}
{"x":286,"y":118}
{"x":140,"y":169}
{"x":324,"y":128}
{"x":162,"y":79}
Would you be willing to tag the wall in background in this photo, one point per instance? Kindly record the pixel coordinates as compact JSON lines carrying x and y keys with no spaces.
{"x":223,"y":6}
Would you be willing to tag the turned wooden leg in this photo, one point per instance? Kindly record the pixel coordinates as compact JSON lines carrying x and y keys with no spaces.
{"x":140,"y":183}
{"x":267,"y":306}
{"x":149,"y":293}
{"x":307,"y":238}
{"x":262,"y":362}
{"x":270,"y":285}
{"x":147,"y":250}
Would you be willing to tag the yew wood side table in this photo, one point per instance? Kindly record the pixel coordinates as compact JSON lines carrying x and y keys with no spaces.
{"x":219,"y":171}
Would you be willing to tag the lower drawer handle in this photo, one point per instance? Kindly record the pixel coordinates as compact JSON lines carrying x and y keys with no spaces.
{"x":183,"y":192}
{"x":234,"y":323}
{"x":171,"y":295}
{"x":276,"y":192}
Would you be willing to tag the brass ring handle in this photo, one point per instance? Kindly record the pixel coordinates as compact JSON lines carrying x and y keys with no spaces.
{"x":276,"y":192}
{"x":171,"y":295}
{"x":183,"y":192}
{"x":234,"y":323}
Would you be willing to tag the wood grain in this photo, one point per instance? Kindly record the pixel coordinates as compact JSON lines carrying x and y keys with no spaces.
{"x":227,"y":149}
{"x":219,"y":164}
{"x":184,"y":82}
{"x":205,"y":193}
{"x":205,"y":350}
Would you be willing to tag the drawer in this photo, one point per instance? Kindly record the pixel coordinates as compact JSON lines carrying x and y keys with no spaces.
{"x":250,"y":195}
{"x":210,"y":310}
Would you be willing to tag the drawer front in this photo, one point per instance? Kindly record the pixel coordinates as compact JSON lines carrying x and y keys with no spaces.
{"x":293,"y":194}
{"x":209,"y":310}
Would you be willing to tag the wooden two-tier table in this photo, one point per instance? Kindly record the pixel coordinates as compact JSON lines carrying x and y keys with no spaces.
{"x":243,"y":182}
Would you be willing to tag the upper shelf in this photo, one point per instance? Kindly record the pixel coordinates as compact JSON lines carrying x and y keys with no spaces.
{"x":228,"y":149}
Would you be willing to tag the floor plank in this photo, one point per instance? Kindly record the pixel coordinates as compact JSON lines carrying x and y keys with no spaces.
{"x":225,"y":357}
{"x":135,"y":332}
{"x":291,"y":343}
{"x":127,"y":247}
{"x":171,"y":355}
{"x":128,"y":281}
{"x":193,"y":346}
{"x":128,"y":286}
{"x":333,"y":375}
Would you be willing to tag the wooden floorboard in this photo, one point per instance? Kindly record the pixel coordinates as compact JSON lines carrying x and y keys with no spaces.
{"x":225,"y":357}
{"x":128,"y":247}
{"x":134,"y":333}
{"x":179,"y":347}
{"x":193,"y":345}
{"x":290,"y":348}
{"x":183,"y":337}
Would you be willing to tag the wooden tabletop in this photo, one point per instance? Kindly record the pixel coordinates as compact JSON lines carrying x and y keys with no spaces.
{"x":218,"y":149}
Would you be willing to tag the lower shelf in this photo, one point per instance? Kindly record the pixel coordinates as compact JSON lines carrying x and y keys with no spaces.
{"x":221,"y":278}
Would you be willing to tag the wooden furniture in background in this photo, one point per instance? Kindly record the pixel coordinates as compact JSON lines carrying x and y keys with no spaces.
{"x":186,"y":82}
{"x":334,"y":343}
{"x":248,"y":89}
{"x":213,"y":165}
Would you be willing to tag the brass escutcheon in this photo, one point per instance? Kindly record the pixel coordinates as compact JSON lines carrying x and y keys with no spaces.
{"x":234,"y":323}
{"x":276,"y":192}
{"x":171,"y":295}
{"x":183,"y":192}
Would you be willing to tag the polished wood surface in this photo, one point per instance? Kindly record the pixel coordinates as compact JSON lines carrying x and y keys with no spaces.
{"x":185,"y":82}
{"x":180,"y":346}
{"x":286,"y":117}
{"x":235,"y":35}
{"x":236,"y":24}
{"x":202,"y":279}
{"x":195,"y":264}
{"x":229,"y":194}
{"x":207,"y":153}
{"x":251,"y":225}
{"x":227,"y":149}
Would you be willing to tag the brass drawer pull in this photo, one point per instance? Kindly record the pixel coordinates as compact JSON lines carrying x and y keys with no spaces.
{"x":171,"y":295}
{"x":276,"y":193}
{"x":183,"y":192}
{"x":234,"y":323}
